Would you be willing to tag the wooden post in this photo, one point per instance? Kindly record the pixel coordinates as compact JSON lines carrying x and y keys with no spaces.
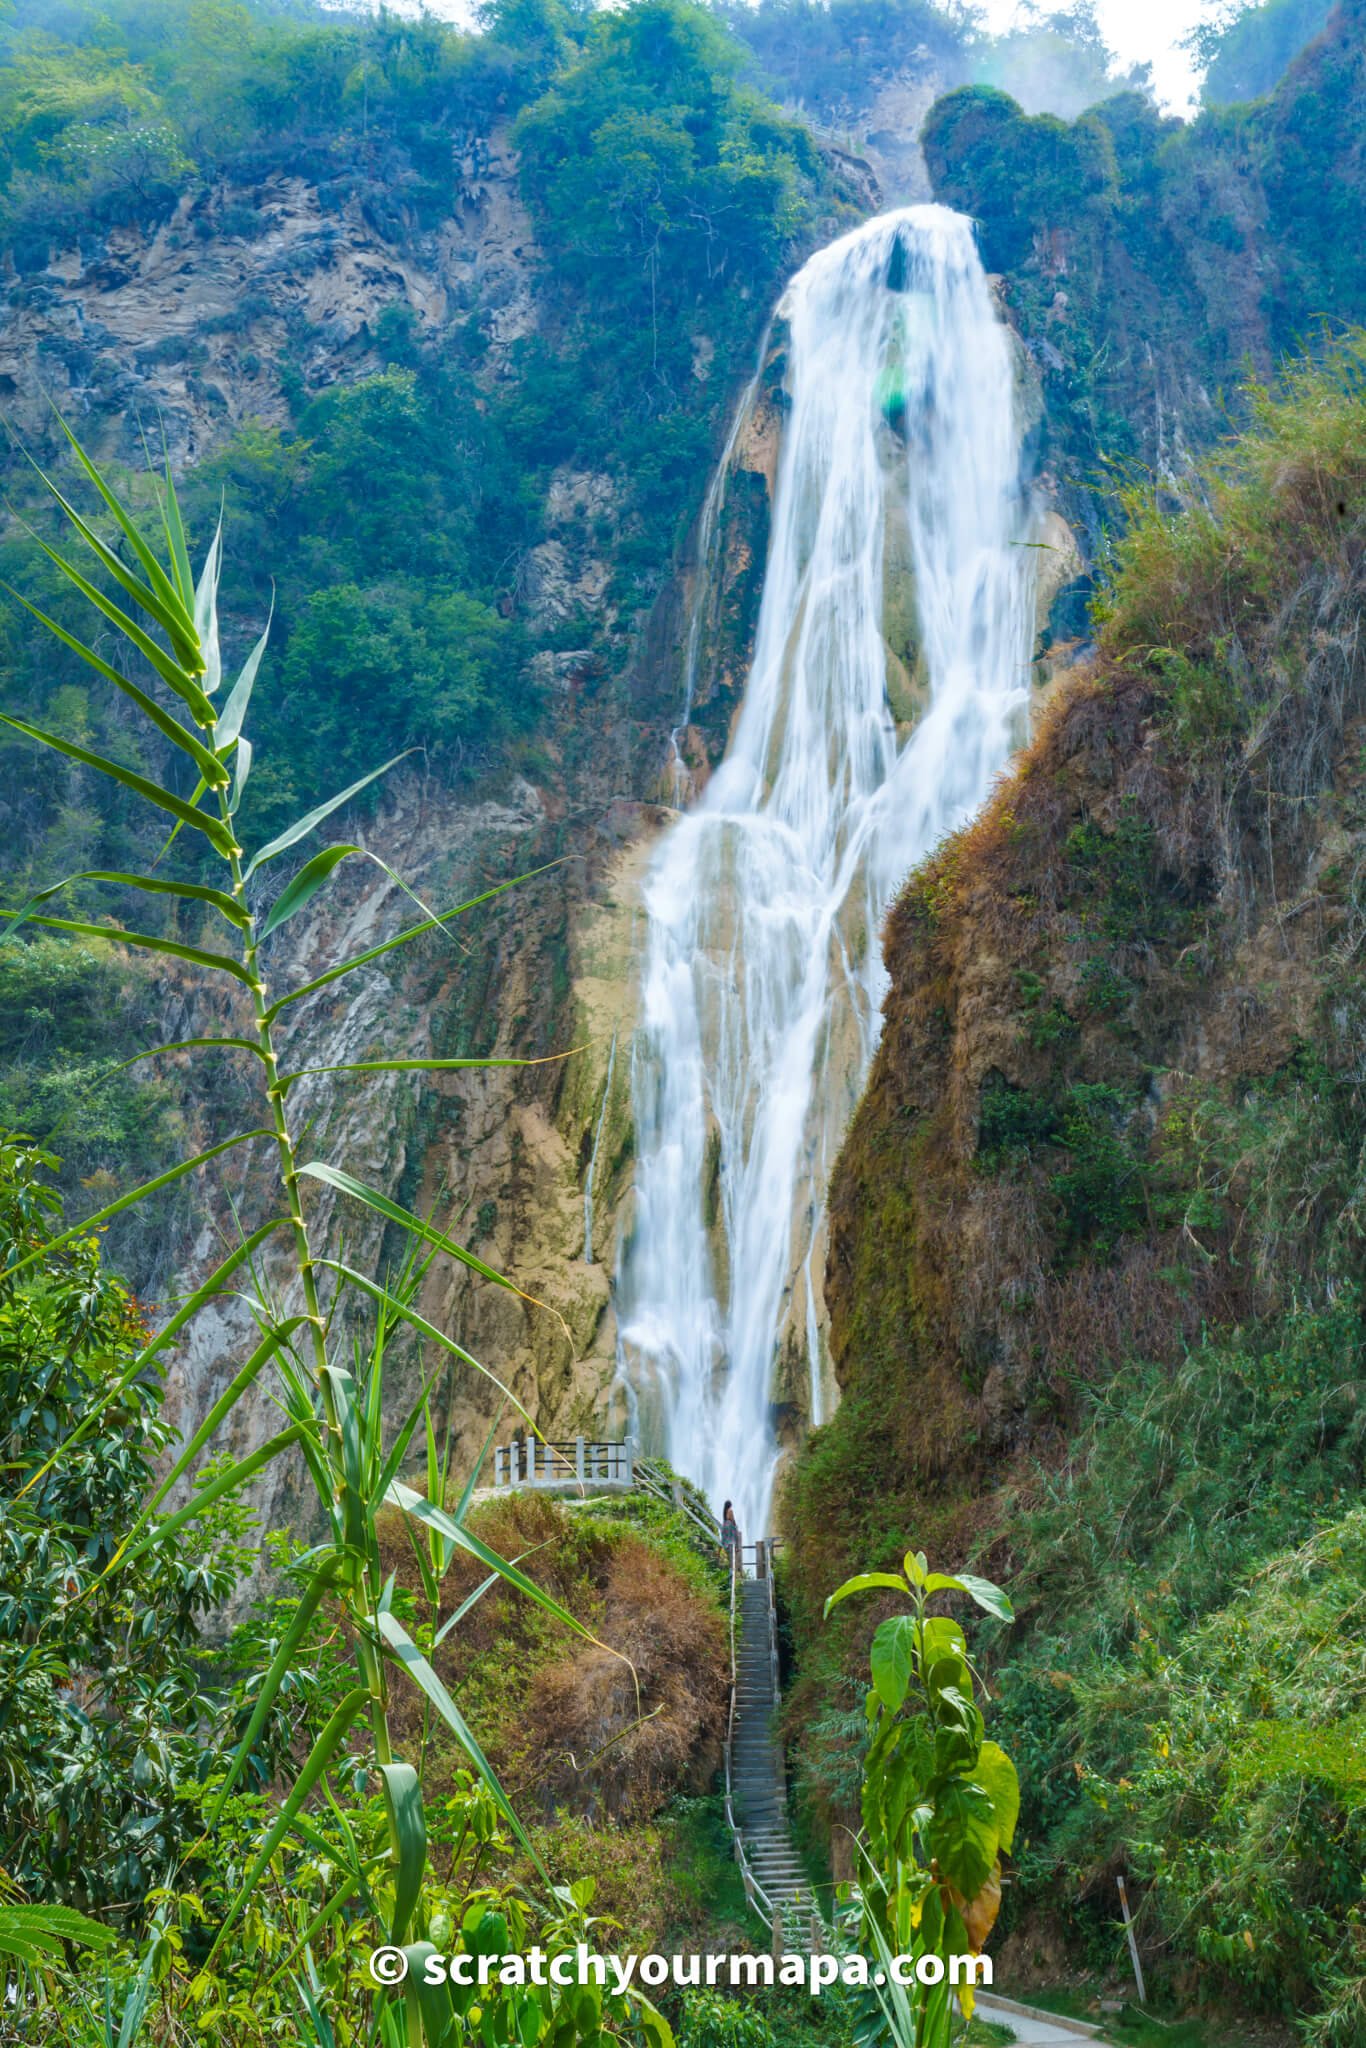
{"x":1133,"y":1944}
{"x":500,"y":1458}
{"x":760,"y":1560}
{"x":778,"y":1937}
{"x":578,"y":1459}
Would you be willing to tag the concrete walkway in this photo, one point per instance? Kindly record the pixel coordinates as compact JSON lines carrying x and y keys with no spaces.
{"x":1035,"y":2029}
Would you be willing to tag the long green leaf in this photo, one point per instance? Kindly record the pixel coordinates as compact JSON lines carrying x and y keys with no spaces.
{"x":150,"y":885}
{"x":155,"y":1052}
{"x":212,"y":828}
{"x":49,"y":1926}
{"x":304,"y":886}
{"x":403,"y":1796}
{"x":211,"y":769}
{"x":403,"y":938}
{"x":320,"y":1583}
{"x":91,"y":1417}
{"x":169,"y":617}
{"x":393,"y":1212}
{"x":322,"y":1918}
{"x":418,"y":1066}
{"x":302,"y":826}
{"x":207,"y":1289}
{"x":223,"y":1482}
{"x":406,"y":1653}
{"x":117,"y":935}
{"x":219,"y":1412}
{"x":175,"y":541}
{"x":206,"y":612}
{"x":234,"y":712}
{"x":176,"y":678}
{"x":156,"y":575}
{"x":421,"y":1510}
{"x":319,"y":1757}
{"x":425,"y":1329}
{"x":148,"y":1187}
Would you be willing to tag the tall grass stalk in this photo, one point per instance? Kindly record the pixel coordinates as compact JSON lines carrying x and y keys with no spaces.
{"x":334,"y":1419}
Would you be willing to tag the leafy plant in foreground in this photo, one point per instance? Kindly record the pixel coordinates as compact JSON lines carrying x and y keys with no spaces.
{"x":333,"y":1414}
{"x":939,"y":1801}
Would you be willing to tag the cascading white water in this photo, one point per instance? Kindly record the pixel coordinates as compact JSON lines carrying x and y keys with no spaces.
{"x":762,"y":977}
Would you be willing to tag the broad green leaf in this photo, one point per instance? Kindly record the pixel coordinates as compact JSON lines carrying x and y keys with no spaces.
{"x":944,"y":1582}
{"x":865,"y":1582}
{"x":117,"y":935}
{"x":916,"y":1567}
{"x":213,"y":828}
{"x":320,"y":1757}
{"x":233,"y":716}
{"x":403,"y":1797}
{"x":303,"y":826}
{"x":892,"y":1658}
{"x":211,"y":770}
{"x":943,"y":1638}
{"x":404,"y":938}
{"x":988,"y":1597}
{"x":150,"y":885}
{"x":997,"y":1776}
{"x":206,"y":612}
{"x":405,"y":1652}
{"x":963,"y":1836}
{"x":320,"y":1583}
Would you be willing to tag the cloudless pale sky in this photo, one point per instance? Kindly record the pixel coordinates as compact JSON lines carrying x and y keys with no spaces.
{"x":1138,"y":31}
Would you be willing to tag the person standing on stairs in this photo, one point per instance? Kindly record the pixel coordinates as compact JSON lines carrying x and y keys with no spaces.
{"x":730,"y":1537}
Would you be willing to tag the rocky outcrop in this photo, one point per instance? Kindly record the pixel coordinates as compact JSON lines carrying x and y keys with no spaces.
{"x":193,"y":327}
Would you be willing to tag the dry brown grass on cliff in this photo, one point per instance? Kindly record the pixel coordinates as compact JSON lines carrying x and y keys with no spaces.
{"x":560,"y":1718}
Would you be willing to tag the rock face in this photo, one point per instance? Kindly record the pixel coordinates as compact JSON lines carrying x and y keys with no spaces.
{"x":188,"y":327}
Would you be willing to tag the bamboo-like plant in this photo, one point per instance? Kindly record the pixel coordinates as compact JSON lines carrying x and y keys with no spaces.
{"x":333,"y":1421}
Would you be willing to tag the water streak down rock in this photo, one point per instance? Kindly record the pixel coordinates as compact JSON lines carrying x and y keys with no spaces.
{"x":762,"y":979}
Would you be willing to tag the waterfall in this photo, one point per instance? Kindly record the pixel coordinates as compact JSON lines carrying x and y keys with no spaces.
{"x":762,"y":976}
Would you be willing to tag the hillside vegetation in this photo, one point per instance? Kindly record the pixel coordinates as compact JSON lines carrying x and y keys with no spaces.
{"x":1096,"y":1247}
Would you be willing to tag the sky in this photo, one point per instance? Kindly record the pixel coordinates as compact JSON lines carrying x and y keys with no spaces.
{"x":1138,"y":31}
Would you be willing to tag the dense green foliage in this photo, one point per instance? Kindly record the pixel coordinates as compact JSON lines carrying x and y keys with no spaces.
{"x":103,"y":1712}
{"x":1245,"y":49}
{"x":1148,"y":261}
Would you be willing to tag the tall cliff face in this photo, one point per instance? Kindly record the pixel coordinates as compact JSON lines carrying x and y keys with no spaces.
{"x":1096,"y":1228}
{"x":211,"y":326}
